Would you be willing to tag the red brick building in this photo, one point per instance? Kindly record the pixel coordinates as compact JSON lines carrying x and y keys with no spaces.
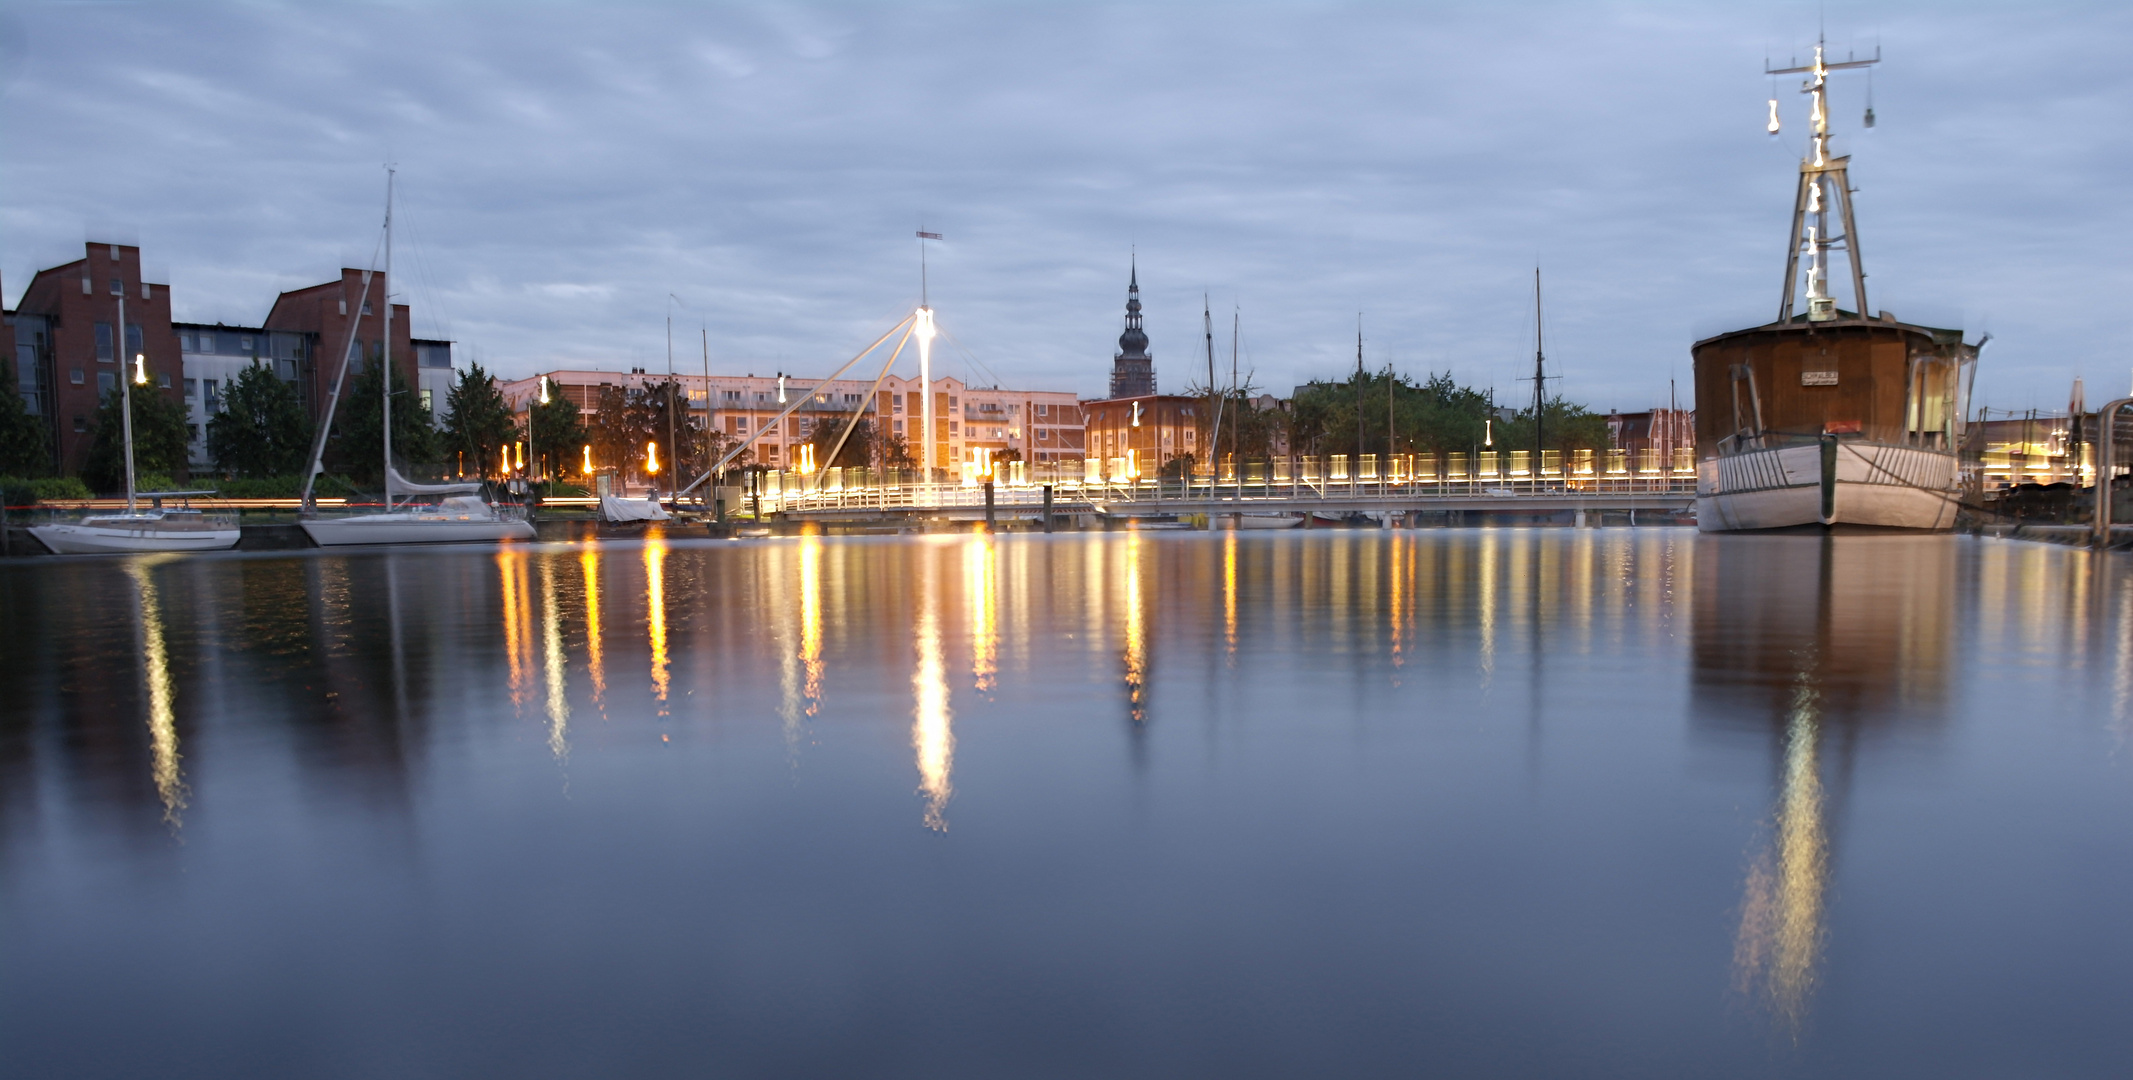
{"x":326,"y":312}
{"x":67,"y":333}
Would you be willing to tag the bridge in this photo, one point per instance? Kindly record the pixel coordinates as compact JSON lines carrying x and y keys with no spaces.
{"x":1402,"y":484}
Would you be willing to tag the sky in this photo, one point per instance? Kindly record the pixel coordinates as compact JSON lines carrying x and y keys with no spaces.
{"x":572,"y":175}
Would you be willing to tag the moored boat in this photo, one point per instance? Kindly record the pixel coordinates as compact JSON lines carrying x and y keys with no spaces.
{"x":1829,"y":417}
{"x":153,"y":528}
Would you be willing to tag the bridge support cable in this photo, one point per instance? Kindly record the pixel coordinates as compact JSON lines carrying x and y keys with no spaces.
{"x":789,"y":409}
{"x":862,"y":409}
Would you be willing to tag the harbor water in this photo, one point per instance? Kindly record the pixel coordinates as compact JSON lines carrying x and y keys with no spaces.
{"x":1492,"y":802}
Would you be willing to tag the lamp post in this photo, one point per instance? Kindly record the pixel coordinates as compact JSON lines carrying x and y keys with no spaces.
{"x":925,"y":332}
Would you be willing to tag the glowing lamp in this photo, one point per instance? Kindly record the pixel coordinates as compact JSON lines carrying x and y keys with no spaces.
{"x":587,"y":470}
{"x":140,"y":369}
{"x":544,"y":389}
{"x":651,"y":457}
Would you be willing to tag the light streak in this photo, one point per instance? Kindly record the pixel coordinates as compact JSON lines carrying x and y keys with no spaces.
{"x":655,"y":611}
{"x":932,"y":722}
{"x":162,"y":696}
{"x":552,"y":654}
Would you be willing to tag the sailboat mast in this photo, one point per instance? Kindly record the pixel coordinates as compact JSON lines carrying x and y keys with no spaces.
{"x":1236,"y":427}
{"x":1355,"y":467}
{"x":118,"y":350}
{"x":1214,"y":411}
{"x":385,"y":381}
{"x":1540,"y":383}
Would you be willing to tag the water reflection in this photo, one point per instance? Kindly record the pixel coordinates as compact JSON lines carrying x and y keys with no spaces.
{"x":655,"y":617}
{"x":1135,"y":632}
{"x":595,"y":659}
{"x":932,"y":730}
{"x":552,"y":655}
{"x":1813,"y":644}
{"x":982,"y":588}
{"x":155,"y":668}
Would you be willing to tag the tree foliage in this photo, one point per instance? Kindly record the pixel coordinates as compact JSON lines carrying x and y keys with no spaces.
{"x":1564,"y":426}
{"x":1435,"y":416}
{"x":477,"y":423}
{"x":159,"y":438}
{"x":558,"y":433}
{"x":262,"y":429}
{"x":25,"y":442}
{"x":1246,"y":430}
{"x":626,"y":419}
{"x":858,"y":450}
{"x":358,"y":428}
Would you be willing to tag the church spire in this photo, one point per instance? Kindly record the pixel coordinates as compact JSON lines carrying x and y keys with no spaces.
{"x":1132,"y":369}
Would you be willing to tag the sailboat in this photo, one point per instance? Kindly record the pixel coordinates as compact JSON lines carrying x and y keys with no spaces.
{"x":153,"y":528}
{"x":458,"y":514}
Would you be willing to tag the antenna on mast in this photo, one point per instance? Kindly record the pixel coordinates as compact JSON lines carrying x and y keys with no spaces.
{"x":1824,"y":184}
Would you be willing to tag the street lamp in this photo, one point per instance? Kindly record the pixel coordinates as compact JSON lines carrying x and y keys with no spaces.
{"x":923,"y":328}
{"x":140,"y":369}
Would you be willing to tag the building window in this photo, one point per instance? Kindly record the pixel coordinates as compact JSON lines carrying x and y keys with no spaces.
{"x":133,"y":338}
{"x":952,"y":425}
{"x":244,"y":345}
{"x":75,"y":376}
{"x":366,"y":311}
{"x":195,"y":429}
{"x":213,"y":397}
{"x":118,"y":288}
{"x":192,"y":388}
{"x":896,"y":402}
{"x":163,"y":380}
{"x":729,"y":395}
{"x":1044,"y":434}
{"x":81,"y":424}
{"x":106,"y":381}
{"x":427,"y":405}
{"x":897,"y":426}
{"x":742,"y":428}
{"x":103,"y":342}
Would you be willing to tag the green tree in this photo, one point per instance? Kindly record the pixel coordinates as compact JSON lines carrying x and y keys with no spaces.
{"x":357,"y":440}
{"x":1432,"y":417}
{"x":477,"y":422}
{"x":858,"y":450}
{"x":159,"y":438}
{"x":558,"y":433}
{"x":25,"y":443}
{"x":262,"y":429}
{"x":1565,"y":426}
{"x":896,"y":453}
{"x":626,"y":419}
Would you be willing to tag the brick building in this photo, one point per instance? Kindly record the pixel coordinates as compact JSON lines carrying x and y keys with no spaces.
{"x":69,"y":348}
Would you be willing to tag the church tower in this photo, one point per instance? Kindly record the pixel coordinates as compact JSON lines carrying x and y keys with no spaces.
{"x":1133,"y":370}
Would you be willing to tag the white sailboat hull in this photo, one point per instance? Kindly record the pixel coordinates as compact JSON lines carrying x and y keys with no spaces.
{"x":399,"y":528}
{"x":1836,"y":483}
{"x":1269,"y":521}
{"x":93,"y":537}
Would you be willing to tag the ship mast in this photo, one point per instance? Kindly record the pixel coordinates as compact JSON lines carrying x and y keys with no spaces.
{"x":1824,"y":187}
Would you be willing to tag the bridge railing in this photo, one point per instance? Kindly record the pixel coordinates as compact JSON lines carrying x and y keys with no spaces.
{"x":1368,"y":477}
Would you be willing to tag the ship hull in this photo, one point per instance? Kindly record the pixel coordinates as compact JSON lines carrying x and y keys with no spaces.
{"x":1833,"y":483}
{"x":408,"y":529}
{"x":92,"y":538}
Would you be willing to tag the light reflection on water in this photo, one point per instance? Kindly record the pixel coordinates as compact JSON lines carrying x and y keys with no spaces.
{"x":1424,"y":794}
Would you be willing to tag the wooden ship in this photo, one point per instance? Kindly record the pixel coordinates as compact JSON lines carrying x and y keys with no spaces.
{"x":1828,"y":417}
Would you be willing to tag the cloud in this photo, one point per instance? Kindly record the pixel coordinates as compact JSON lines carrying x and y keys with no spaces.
{"x":563,"y":168}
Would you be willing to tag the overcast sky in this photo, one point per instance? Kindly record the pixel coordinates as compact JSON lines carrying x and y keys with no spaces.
{"x":564,"y":168}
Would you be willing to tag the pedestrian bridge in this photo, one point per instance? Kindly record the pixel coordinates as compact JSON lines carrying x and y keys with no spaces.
{"x":1490,"y":483}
